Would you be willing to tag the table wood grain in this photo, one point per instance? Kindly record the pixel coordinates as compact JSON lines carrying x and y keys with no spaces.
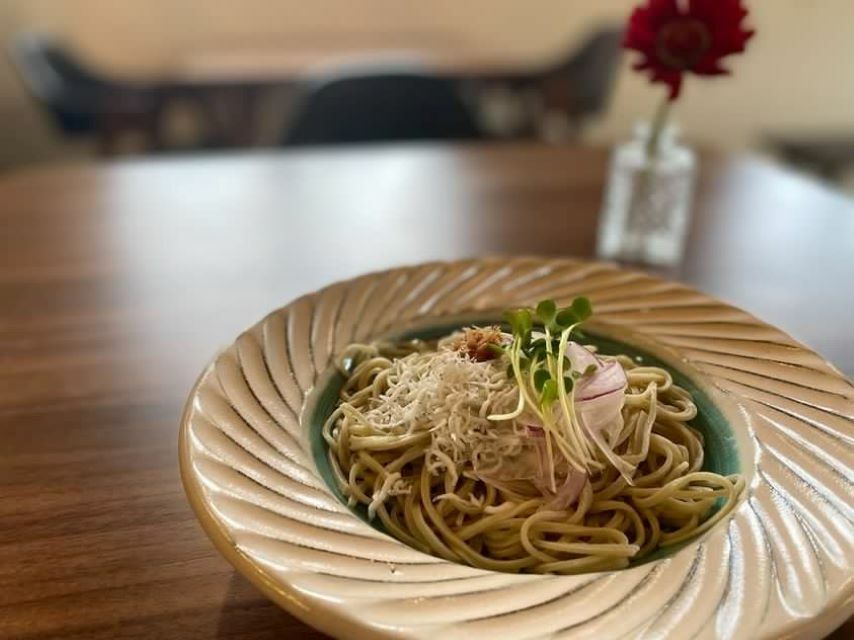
{"x":118,"y":282}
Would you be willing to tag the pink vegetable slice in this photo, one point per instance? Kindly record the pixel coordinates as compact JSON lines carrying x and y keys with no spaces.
{"x":531,"y":468}
{"x":599,"y":399}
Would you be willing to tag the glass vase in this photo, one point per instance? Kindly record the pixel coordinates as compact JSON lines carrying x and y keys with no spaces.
{"x":647,"y":204}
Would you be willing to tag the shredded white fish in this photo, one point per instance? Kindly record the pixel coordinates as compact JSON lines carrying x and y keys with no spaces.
{"x":455,"y":400}
{"x":393,"y":485}
{"x":449,"y":395}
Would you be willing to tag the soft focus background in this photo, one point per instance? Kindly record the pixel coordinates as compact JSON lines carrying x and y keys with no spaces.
{"x":790,"y":89}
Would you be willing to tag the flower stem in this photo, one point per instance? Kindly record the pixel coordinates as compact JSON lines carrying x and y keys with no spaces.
{"x":658,"y":123}
{"x":633,"y":250}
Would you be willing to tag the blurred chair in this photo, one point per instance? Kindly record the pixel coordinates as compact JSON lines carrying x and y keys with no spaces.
{"x":590,"y":73}
{"x":79,"y":100}
{"x":829,"y":156}
{"x":386,"y":107}
{"x":577,"y":87}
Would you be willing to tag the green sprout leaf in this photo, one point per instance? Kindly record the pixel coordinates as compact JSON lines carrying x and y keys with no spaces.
{"x":513,"y":318}
{"x":495,"y":349}
{"x":582,"y":308}
{"x":527,"y":321}
{"x":537,"y":349}
{"x":589,"y":371}
{"x":568,"y":384}
{"x":521,"y":322}
{"x":546,"y":311}
{"x":566,"y":318}
{"x":549,"y":394}
{"x":541,"y":376}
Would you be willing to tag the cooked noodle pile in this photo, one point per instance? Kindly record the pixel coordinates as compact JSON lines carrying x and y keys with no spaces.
{"x":419,"y":439}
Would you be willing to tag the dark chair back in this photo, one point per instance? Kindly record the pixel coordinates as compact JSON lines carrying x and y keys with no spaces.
{"x":591,"y":71}
{"x":576,"y":86}
{"x":382,"y":108}
{"x":69,"y":91}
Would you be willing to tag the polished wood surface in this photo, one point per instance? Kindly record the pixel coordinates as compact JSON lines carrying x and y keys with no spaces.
{"x":108,"y":272}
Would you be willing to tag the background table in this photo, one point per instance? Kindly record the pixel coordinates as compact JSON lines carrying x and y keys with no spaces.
{"x":107,"y":273}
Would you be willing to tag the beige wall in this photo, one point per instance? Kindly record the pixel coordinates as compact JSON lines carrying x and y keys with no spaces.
{"x":799,"y":74}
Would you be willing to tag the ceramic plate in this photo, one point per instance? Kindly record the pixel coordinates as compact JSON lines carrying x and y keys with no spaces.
{"x":255,"y":470}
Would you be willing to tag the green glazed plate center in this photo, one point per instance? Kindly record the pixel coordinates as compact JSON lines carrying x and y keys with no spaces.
{"x":721,"y":448}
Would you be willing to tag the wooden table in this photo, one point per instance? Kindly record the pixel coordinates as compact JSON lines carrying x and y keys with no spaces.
{"x":107,"y":272}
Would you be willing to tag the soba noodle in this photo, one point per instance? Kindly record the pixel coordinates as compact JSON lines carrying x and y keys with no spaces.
{"x":436,"y":475}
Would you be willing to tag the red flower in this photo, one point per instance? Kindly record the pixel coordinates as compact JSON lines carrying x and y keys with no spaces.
{"x":675,"y":37}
